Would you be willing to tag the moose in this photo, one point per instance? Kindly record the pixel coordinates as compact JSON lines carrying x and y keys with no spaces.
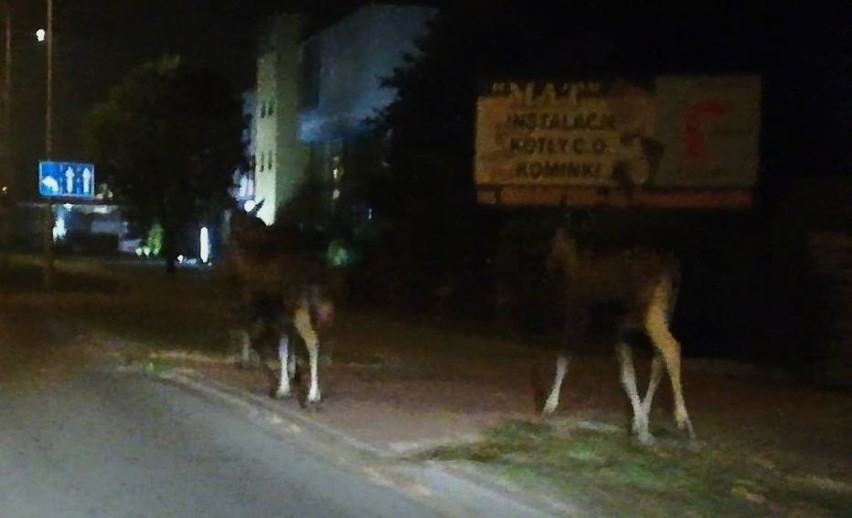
{"x":634,"y":289}
{"x":279,"y":290}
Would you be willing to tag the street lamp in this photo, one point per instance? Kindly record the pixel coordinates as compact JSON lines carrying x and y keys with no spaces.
{"x":7,"y":90}
{"x":48,"y":112}
{"x":46,"y":35}
{"x":7,"y":170}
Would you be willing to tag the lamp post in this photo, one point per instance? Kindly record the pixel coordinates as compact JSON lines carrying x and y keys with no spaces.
{"x":48,"y":112}
{"x":7,"y":169}
{"x":46,"y":35}
{"x":7,"y":79}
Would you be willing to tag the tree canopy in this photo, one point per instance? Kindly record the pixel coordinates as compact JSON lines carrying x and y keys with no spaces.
{"x":429,"y":128}
{"x":168,"y":140}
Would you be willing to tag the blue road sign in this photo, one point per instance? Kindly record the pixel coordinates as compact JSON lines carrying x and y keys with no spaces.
{"x":66,"y":179}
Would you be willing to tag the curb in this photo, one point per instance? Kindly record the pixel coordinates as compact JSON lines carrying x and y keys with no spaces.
{"x":396,"y":468}
{"x":350,"y":450}
{"x":266,"y":409}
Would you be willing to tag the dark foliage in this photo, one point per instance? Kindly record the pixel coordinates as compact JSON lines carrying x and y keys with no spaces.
{"x":168,"y":140}
{"x":429,"y":134}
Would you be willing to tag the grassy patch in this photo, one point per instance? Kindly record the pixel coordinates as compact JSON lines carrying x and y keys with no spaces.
{"x":155,"y":365}
{"x":612,"y":474}
{"x":26,"y":275}
{"x":185,"y":311}
{"x":159,"y":326}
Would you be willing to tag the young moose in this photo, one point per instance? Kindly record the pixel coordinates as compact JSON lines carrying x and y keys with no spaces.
{"x":278,"y":288}
{"x":636,"y":290}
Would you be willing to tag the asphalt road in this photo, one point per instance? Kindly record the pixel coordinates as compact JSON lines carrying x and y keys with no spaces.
{"x":102,"y":444}
{"x":80,"y":437}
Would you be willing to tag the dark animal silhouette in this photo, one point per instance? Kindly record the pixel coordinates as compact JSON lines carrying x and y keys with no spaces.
{"x":279,"y":289}
{"x":633,"y":289}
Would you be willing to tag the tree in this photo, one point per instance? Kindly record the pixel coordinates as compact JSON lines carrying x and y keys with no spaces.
{"x":429,"y":131}
{"x":168,"y":139}
{"x":429,"y":128}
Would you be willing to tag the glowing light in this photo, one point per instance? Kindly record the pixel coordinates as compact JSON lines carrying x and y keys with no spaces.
{"x":249,"y":205}
{"x":204,"y":244}
{"x":335,"y":194}
{"x":68,"y":206}
{"x":337,"y":255}
{"x":180,"y":258}
{"x":59,"y":228}
{"x":41,"y":34}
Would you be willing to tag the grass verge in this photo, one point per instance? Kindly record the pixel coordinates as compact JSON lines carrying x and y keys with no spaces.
{"x":614,"y":476}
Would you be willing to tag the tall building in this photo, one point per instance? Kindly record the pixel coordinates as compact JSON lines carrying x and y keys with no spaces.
{"x":314,"y":92}
{"x":279,"y":157}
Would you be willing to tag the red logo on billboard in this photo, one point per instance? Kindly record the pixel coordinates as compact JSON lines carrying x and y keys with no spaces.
{"x":696,"y":118}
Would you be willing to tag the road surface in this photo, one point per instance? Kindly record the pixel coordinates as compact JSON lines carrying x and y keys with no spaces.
{"x":79,"y":437}
{"x":124,"y":445}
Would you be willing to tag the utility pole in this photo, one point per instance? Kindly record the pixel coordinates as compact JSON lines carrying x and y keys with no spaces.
{"x":7,"y":80}
{"x":48,"y":118}
{"x":6,"y":160}
{"x":7,"y":74}
{"x":49,"y":259}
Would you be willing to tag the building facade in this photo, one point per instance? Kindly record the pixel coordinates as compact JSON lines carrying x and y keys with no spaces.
{"x":314,"y":94}
{"x":279,"y":157}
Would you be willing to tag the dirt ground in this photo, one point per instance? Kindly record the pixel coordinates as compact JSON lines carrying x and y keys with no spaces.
{"x":405,"y":387}
{"x":401,"y":387}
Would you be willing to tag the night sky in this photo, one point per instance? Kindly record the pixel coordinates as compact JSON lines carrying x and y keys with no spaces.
{"x":98,"y":41}
{"x":806,"y":47}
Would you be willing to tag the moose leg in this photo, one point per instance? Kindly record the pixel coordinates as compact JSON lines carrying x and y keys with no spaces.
{"x":248,"y":358}
{"x":656,"y":376}
{"x":291,"y":364}
{"x":284,"y":362}
{"x":656,"y":325}
{"x":553,"y":399}
{"x":302,"y":322}
{"x":576,"y":323}
{"x":628,"y":379}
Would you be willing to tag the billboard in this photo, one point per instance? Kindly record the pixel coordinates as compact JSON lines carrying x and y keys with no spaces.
{"x":667,"y":141}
